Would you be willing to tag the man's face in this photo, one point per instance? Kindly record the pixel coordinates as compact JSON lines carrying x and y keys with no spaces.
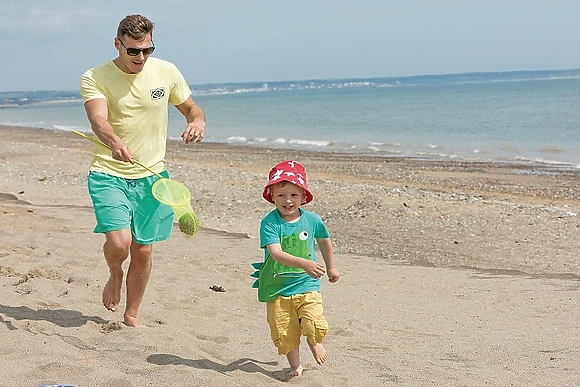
{"x":132,"y":64}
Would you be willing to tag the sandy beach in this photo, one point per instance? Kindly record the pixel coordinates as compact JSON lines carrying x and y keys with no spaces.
{"x":452,"y":273}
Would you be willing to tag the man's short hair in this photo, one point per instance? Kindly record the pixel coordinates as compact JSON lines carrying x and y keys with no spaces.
{"x":136,"y":27}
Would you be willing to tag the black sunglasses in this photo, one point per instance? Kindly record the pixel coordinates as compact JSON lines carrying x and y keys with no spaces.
{"x":131,"y":51}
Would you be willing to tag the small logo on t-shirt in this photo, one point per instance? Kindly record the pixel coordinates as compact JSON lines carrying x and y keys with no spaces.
{"x":158,"y":93}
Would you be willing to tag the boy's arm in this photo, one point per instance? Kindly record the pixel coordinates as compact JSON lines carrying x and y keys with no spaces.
{"x":312,"y":268}
{"x":325,"y":247}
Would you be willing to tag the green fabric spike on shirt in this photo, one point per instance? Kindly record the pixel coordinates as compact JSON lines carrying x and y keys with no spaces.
{"x":256,"y":274}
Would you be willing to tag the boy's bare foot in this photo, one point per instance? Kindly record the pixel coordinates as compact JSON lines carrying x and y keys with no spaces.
{"x":295,"y":364}
{"x":132,"y":322}
{"x":112,"y":292}
{"x":295,"y":372}
{"x":318,"y":352}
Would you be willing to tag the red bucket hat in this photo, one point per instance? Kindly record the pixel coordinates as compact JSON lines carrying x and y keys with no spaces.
{"x":287,"y":171}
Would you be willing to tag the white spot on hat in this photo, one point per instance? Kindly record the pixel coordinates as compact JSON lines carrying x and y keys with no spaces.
{"x":277,"y":174}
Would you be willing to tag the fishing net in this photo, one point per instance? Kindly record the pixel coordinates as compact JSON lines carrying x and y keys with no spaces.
{"x":168,"y":192}
{"x":177,"y":196}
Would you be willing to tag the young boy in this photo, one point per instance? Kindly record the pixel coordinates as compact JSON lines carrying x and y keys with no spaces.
{"x":289,"y":277}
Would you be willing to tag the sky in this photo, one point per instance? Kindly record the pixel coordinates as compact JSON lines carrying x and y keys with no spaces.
{"x":47,"y":45}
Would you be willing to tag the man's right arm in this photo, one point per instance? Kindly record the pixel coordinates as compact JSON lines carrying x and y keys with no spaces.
{"x":97,"y":114}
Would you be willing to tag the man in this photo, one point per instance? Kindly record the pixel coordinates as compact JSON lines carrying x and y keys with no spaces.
{"x":126,"y":102}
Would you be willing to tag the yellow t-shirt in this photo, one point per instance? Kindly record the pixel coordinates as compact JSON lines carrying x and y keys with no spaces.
{"x":138,"y":110}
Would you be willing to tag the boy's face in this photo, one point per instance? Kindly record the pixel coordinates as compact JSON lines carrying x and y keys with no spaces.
{"x":288,"y":198}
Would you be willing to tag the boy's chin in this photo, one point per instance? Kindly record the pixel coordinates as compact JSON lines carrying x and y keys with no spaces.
{"x":289,"y":213}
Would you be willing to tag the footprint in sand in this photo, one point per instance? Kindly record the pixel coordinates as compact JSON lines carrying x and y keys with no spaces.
{"x":111,"y":326}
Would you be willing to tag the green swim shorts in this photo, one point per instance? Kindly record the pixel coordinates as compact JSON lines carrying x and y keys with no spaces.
{"x":121,"y":203}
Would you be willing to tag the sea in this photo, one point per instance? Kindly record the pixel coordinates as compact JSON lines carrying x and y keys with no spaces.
{"x":528,"y":117}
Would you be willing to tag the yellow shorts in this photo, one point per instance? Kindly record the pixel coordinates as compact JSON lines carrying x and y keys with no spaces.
{"x":291,"y":317}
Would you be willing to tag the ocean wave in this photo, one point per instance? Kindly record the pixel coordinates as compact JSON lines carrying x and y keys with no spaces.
{"x":69,"y":128}
{"x":384,"y":151}
{"x":237,"y":139}
{"x":310,"y":143}
{"x":45,"y":125}
{"x":550,"y":162}
{"x":293,"y":143}
{"x":373,"y":143}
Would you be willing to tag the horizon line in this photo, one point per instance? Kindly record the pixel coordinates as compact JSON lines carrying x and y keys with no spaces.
{"x":337,"y":79}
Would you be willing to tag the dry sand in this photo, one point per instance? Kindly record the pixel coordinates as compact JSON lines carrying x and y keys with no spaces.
{"x":453,"y":274}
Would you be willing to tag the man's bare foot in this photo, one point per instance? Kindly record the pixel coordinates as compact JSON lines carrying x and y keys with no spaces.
{"x":112,"y":292}
{"x":318,"y":352}
{"x":295,"y":372}
{"x":132,"y":322}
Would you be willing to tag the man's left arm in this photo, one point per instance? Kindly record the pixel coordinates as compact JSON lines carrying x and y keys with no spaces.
{"x":195,"y":117}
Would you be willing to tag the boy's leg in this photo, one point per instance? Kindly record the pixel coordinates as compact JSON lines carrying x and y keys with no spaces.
{"x":318,"y":352}
{"x":285,"y":331}
{"x":313,"y":324}
{"x":294,"y":361}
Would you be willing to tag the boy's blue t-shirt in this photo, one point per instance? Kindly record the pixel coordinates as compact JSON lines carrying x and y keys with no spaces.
{"x":297,"y":238}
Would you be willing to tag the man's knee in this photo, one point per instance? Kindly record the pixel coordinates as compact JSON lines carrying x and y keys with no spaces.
{"x":140,"y":252}
{"x":118,"y":242}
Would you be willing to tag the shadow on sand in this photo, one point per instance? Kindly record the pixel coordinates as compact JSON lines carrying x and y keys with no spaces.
{"x":246,"y":365}
{"x":62,"y":317}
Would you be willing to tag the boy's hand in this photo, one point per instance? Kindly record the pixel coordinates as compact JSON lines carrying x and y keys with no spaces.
{"x":313,"y":269}
{"x":333,"y":275}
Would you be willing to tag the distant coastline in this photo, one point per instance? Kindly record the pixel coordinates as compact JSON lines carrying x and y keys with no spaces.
{"x":22,"y":98}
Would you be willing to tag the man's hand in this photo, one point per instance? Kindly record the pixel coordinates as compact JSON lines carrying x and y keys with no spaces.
{"x":120,"y":151}
{"x":194,"y":131}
